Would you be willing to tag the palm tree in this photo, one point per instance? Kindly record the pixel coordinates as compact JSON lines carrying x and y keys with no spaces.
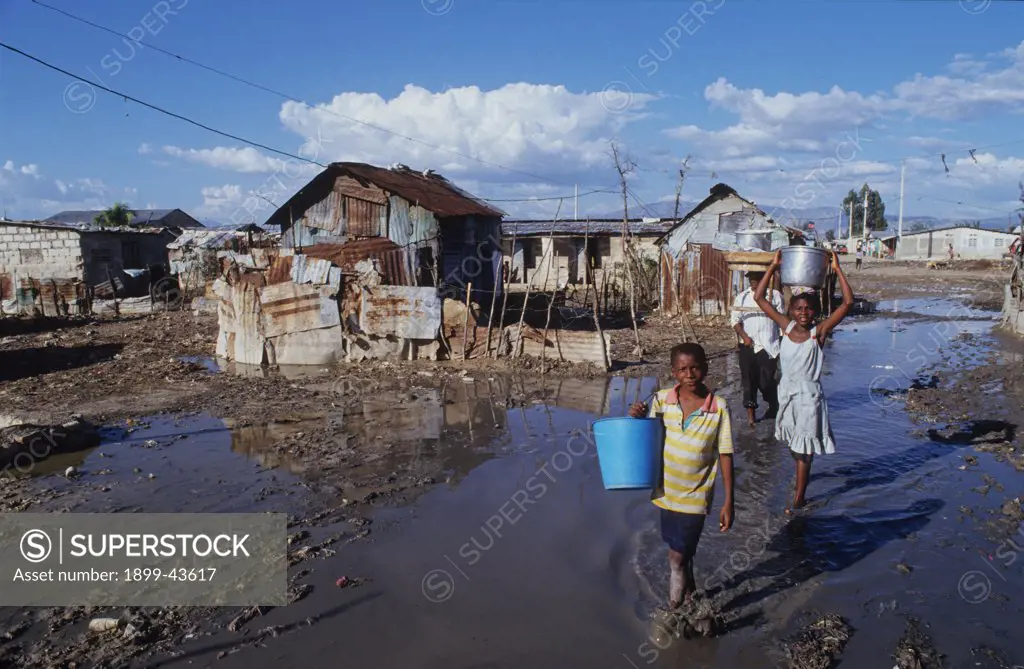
{"x":117,"y":216}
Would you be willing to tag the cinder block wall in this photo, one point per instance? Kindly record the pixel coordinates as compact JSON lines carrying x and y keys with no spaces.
{"x":39,"y":253}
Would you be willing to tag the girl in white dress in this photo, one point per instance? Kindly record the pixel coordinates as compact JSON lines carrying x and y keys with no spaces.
{"x":802,"y":421}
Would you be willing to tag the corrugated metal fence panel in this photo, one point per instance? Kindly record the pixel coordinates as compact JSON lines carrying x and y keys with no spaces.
{"x":289,"y":307}
{"x":702,"y":281}
{"x":365,"y":219}
{"x":310,"y":270}
{"x":424,"y":225}
{"x":399,"y":224}
{"x":401,"y":311}
{"x":570,"y":345}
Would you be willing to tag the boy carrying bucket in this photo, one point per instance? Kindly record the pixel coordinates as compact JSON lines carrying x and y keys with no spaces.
{"x":698,"y":436}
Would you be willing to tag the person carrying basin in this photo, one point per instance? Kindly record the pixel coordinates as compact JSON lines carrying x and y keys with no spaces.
{"x":758,"y":349}
{"x":802,"y":422}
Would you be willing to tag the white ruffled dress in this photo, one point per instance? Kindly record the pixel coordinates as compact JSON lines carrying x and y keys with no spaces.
{"x":802,"y":422}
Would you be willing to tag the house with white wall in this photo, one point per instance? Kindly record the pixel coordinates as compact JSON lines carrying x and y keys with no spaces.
{"x":969,"y":243}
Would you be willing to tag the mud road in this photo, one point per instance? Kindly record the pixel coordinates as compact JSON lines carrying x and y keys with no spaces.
{"x":465,"y":508}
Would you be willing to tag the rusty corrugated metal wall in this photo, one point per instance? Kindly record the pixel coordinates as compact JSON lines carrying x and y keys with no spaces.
{"x":701,"y":280}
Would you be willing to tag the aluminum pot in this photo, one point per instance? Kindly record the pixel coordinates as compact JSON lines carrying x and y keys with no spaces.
{"x":754,"y":239}
{"x":804,"y":266}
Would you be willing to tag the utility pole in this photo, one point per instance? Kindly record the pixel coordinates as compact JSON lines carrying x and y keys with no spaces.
{"x":576,"y":205}
{"x":839,"y":225}
{"x":899,"y":226}
{"x":849,"y":233}
{"x":864,"y":231}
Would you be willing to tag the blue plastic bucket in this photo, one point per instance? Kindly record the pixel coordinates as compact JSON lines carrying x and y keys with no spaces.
{"x":629,"y":451}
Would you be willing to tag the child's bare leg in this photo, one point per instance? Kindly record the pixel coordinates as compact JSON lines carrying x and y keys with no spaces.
{"x":676,"y":579}
{"x":689,"y":582}
{"x":803,"y":477}
{"x":681,"y":583}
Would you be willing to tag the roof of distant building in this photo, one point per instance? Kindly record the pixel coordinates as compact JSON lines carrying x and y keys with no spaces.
{"x":50,"y":225}
{"x":154,"y":217}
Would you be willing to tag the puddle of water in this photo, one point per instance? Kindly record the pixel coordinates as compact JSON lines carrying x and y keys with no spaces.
{"x":524,"y":559}
{"x":197,"y":465}
{"x":211,"y":363}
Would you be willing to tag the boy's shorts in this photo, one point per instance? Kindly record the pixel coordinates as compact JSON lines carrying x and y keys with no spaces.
{"x":681,"y":531}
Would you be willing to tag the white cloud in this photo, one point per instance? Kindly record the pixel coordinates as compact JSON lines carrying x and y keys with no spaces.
{"x":245,"y":160}
{"x":973,"y":92}
{"x":219,"y":201}
{"x":807,"y":122}
{"x":28,"y":194}
{"x":145,"y":149}
{"x":539,"y":129}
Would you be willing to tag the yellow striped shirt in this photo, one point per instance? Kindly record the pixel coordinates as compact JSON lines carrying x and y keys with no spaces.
{"x":691,"y":455}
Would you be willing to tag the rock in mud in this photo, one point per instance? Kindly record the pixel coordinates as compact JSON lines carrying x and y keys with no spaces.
{"x":27,"y":444}
{"x":819,"y":645}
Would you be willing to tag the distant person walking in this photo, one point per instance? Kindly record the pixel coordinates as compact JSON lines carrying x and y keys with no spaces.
{"x":760,"y":339}
{"x":860,"y":254}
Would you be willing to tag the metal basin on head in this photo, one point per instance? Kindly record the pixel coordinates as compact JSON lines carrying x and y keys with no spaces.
{"x":804,"y":266}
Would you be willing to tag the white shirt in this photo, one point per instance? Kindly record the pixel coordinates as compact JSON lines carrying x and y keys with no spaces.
{"x":758,"y":325}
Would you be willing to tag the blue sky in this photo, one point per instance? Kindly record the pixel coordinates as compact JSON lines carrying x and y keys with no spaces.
{"x":792,"y":103}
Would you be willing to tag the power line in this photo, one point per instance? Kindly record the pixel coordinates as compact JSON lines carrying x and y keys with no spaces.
{"x":548,"y":199}
{"x":291,"y":98}
{"x":161,"y":109}
{"x":968,"y":204}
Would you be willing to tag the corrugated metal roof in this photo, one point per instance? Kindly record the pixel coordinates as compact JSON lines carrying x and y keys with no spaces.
{"x":430,"y":190}
{"x":606,"y":226}
{"x":48,"y":225}
{"x":205,"y":238}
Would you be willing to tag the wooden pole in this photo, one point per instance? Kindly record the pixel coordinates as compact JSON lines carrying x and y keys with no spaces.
{"x":465,"y":326}
{"x":504,"y":301}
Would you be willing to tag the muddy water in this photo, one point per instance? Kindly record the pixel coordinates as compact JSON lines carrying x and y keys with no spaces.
{"x":524,"y":560}
{"x":521,"y":558}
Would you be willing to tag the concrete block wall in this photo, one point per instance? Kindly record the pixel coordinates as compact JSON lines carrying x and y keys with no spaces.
{"x":40,"y":253}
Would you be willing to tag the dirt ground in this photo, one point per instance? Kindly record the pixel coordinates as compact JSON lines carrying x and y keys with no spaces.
{"x":113,"y":371}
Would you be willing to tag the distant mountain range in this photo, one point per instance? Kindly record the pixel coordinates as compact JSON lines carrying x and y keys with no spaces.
{"x":824,"y":218}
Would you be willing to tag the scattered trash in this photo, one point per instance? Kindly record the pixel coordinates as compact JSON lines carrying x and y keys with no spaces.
{"x":818,"y":645}
{"x":104,"y":624}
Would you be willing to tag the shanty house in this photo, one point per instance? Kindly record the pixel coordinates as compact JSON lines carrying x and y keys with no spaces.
{"x":172,"y":219}
{"x":53,"y":268}
{"x":695,"y":277}
{"x":423,"y":230}
{"x":366,"y":257}
{"x":550,"y":255}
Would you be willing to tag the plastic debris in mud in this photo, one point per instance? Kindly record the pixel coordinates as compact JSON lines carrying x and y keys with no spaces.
{"x":819,"y":644}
